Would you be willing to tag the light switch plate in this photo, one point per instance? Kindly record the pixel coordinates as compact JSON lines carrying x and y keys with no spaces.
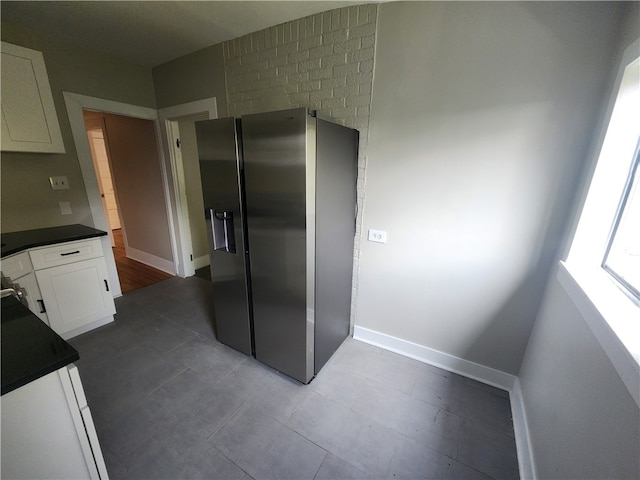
{"x":59,"y":183}
{"x":379,"y":236}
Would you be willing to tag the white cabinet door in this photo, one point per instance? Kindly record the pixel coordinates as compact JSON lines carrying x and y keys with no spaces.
{"x":29,"y":287}
{"x":76,"y":294}
{"x":40,"y":437}
{"x":16,"y":266}
{"x":29,"y":119}
{"x":47,"y":433}
{"x":18,"y":271}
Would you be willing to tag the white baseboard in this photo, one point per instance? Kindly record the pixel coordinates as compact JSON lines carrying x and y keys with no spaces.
{"x":200,"y":262}
{"x":436,"y":358}
{"x":469,"y":369}
{"x":151,"y":260}
{"x":521,"y":432}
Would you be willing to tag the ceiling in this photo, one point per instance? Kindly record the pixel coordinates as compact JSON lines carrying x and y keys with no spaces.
{"x":149,"y":33}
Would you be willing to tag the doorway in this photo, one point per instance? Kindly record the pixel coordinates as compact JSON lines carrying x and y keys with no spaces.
{"x":182,"y":154}
{"x":175,"y":201}
{"x":95,"y":134}
{"x":193,"y":192}
{"x":130,"y":187}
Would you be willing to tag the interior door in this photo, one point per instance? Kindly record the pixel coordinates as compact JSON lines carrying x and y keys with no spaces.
{"x":100,"y":155}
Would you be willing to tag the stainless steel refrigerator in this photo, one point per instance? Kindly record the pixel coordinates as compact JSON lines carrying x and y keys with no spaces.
{"x":279,"y":191}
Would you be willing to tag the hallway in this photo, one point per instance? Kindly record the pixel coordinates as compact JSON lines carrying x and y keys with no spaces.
{"x":133,"y":275}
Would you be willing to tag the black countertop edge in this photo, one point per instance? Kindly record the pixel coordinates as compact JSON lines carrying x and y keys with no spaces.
{"x":30,"y":348}
{"x":16,"y":242}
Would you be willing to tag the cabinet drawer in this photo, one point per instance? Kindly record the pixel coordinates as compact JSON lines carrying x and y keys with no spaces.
{"x":64,"y":253}
{"x":16,"y":266}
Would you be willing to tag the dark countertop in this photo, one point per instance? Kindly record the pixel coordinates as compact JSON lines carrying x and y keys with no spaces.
{"x":30,"y":349}
{"x":15,"y":242}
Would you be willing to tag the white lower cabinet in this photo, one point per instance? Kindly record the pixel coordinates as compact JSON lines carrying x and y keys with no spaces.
{"x":48,"y":432}
{"x":18,"y":271}
{"x":66,"y":285}
{"x":31,"y":292}
{"x":76,"y":294}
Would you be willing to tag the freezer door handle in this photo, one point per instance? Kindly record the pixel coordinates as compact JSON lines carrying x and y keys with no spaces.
{"x":222,"y":230}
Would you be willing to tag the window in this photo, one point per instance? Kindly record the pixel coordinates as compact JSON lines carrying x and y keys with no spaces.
{"x":601,"y":273}
{"x":604,"y":239}
{"x":622,"y":257}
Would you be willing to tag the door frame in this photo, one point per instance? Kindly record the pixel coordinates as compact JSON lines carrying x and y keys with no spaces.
{"x":75,"y":104}
{"x":171,"y":168}
{"x":169,"y":117}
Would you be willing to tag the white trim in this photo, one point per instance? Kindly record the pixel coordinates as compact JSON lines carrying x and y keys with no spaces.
{"x":612,"y":316}
{"x":207,"y":106}
{"x":184,"y":245}
{"x":200,"y":262}
{"x":521,"y":432}
{"x":587,"y":297}
{"x":75,"y":104}
{"x":629,"y":55}
{"x":466,"y":368}
{"x":169,"y":116}
{"x":151,"y":260}
{"x":111,"y":106}
{"x":436,"y":358}
{"x":168,"y":201}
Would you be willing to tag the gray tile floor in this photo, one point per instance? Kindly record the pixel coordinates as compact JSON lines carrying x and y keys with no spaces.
{"x":171,"y":402}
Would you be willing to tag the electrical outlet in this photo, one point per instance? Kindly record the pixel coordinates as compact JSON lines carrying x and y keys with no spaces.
{"x":59,"y":183}
{"x":65,"y":208}
{"x":379,"y":236}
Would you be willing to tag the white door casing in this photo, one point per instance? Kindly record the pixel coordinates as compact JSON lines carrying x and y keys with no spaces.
{"x":177,"y":188}
{"x":75,"y":104}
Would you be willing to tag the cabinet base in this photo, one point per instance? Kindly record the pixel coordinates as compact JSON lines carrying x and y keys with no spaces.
{"x":86,"y":328}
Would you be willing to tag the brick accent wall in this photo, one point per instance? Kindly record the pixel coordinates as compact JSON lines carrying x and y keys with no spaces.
{"x":324,"y":62}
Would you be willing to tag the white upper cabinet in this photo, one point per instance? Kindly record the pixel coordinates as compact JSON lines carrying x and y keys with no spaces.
{"x":29,"y":120}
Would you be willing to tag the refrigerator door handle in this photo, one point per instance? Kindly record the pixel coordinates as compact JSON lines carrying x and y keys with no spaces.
{"x":229,"y":231}
{"x":222,"y":230}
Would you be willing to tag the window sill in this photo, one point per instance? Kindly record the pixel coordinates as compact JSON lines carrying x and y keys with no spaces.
{"x":613,"y":318}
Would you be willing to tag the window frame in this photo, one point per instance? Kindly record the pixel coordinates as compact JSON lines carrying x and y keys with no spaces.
{"x":632,"y":290}
{"x":608,"y":311}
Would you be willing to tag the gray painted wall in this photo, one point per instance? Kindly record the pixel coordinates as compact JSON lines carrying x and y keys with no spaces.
{"x":27,"y":199}
{"x":480,"y":121}
{"x":481,"y":116}
{"x":192,"y":77}
{"x":583,"y":422}
{"x":137,"y":176}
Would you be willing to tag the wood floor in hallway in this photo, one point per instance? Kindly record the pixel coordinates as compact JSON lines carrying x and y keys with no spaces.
{"x":133,"y":274}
